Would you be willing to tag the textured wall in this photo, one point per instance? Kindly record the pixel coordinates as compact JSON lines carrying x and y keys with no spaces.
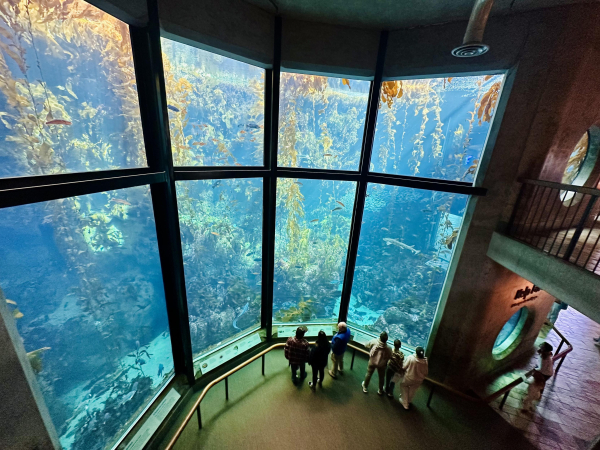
{"x":556,"y":48}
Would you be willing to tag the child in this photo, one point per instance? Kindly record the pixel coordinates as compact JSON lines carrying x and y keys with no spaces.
{"x":394,"y":368}
{"x":546,"y":370}
{"x":379,"y":354}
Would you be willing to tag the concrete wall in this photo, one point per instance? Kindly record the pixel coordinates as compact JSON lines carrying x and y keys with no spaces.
{"x":556,"y":47}
{"x":24,"y":418}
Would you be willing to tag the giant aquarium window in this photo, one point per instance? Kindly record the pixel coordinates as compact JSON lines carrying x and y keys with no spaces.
{"x":311,"y":242}
{"x":82,"y":277}
{"x":68,"y":95}
{"x":321,"y":121}
{"x":216,"y":107}
{"x":406,"y":243}
{"x":435,"y":127}
{"x":221,"y":233}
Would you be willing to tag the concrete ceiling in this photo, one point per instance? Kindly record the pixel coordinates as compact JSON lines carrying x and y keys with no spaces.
{"x":394,"y":14}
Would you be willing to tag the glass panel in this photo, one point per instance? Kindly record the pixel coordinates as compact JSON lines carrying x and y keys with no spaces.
{"x":311,"y":242}
{"x":435,"y":127}
{"x":321,"y":121}
{"x":68,"y":95}
{"x":83,"y":280}
{"x":221,"y":234}
{"x":216,"y":108}
{"x":406,"y":243}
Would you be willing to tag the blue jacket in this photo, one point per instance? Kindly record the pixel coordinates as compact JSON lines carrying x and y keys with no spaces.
{"x":339,"y":342}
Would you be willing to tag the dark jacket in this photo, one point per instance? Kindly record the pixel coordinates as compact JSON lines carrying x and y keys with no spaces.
{"x":318,"y":355}
{"x":339,"y":342}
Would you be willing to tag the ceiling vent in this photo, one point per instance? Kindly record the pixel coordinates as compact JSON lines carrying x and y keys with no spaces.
{"x":472,"y":42}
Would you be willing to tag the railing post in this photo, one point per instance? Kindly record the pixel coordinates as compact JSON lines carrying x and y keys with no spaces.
{"x":263,"y":365}
{"x":504,"y":399}
{"x":559,"y":364}
{"x":579,"y":229}
{"x":560,"y":346}
{"x":199,"y":417}
{"x":353,"y":355}
{"x":430,"y":396}
{"x":227,"y":388}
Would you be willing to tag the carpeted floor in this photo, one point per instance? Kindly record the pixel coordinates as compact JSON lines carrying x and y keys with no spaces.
{"x":271,"y":413}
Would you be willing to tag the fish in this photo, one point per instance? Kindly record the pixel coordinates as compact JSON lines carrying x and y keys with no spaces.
{"x":120,"y":201}
{"x":215,"y":233}
{"x":340,"y":203}
{"x":397,"y":243}
{"x":220,"y":282}
{"x":336,"y":209}
{"x":11,"y":302}
{"x":468,"y":160}
{"x":216,"y":184}
{"x":243,"y":132}
{"x":384,"y":229}
{"x":127,"y":397}
{"x":426,"y":210}
{"x":17,"y":314}
{"x":346,"y":82}
{"x":255,"y":273}
{"x":321,"y":111}
{"x":244,"y":309}
{"x":58,"y":122}
{"x":249,"y":253}
{"x":314,"y":220}
{"x":236,"y":164}
{"x":173,"y":108}
{"x":252,"y":125}
{"x":160,"y":369}
{"x":257,"y":259}
{"x":201,"y":144}
{"x":298,"y":183}
{"x":327,"y":154}
{"x":298,"y":267}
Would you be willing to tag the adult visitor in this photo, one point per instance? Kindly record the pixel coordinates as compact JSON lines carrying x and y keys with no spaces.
{"x":415,"y":368}
{"x":296,"y":351}
{"x":338,"y":348}
{"x":318,"y":359}
{"x":394,"y":369}
{"x":557,"y":307}
{"x":379,"y":355}
{"x":541,"y":374}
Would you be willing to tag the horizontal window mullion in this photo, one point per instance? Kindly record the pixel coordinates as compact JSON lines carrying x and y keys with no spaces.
{"x":427,"y":184}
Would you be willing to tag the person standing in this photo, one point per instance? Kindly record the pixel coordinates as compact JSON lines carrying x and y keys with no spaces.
{"x":318,"y":359}
{"x":415,"y":368}
{"x":394,"y":368}
{"x":297,"y":350}
{"x":541,"y":374}
{"x":338,"y":348}
{"x":557,"y":307}
{"x":379,"y":355}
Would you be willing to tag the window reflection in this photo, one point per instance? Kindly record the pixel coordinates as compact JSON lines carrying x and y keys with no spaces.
{"x":82,"y":278}
{"x":68,"y":95}
{"x":406,"y":243}
{"x":221,"y":234}
{"x":435,"y":127}
{"x":321,"y":121}
{"x":216,"y":108}
{"x":311,"y":242}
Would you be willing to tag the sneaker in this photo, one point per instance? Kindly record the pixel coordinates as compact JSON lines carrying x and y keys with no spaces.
{"x":364,"y":388}
{"x":405,"y":406}
{"x":379,"y":392}
{"x":390,"y":395}
{"x":597,"y":339}
{"x":294,"y":380}
{"x":311,"y":385}
{"x":332,"y":375}
{"x":341,"y":371}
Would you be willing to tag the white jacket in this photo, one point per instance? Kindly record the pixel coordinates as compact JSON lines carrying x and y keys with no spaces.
{"x":416,"y":369}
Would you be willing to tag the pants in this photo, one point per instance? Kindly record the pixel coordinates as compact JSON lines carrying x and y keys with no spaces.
{"x":337,"y":362}
{"x":295,"y":370}
{"x":535,"y":390}
{"x":380,"y":372}
{"x":409,"y":389}
{"x":389,"y":386}
{"x":318,"y":372}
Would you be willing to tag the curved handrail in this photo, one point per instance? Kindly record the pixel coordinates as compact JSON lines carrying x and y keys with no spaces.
{"x":193,"y":409}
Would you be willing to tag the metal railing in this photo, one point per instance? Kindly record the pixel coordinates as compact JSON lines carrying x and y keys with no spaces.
{"x":196,"y":406}
{"x":559,"y":219}
{"x":509,"y":387}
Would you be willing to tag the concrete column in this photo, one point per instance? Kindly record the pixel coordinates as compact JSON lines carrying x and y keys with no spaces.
{"x":25,"y":423}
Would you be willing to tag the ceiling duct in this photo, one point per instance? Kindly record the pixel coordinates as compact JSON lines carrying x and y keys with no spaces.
{"x":472,"y":42}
